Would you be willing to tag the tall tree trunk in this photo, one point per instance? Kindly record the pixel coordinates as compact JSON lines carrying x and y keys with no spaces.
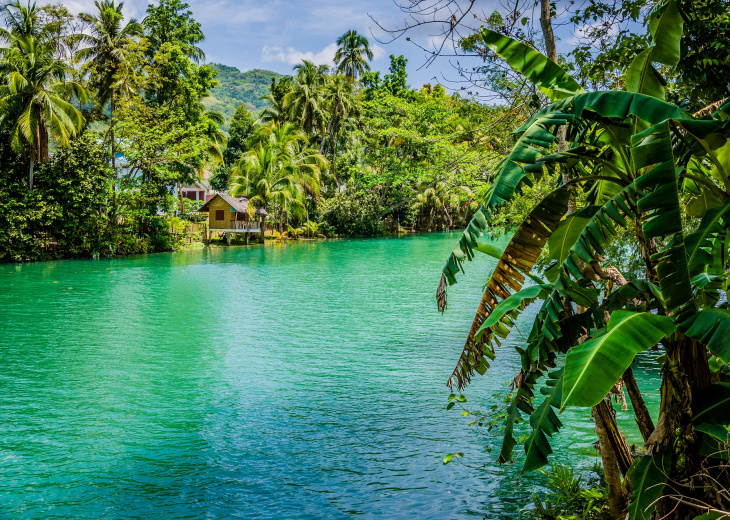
{"x":35,"y":155}
{"x":547,"y":30}
{"x":334,"y":160}
{"x":552,"y":53}
{"x":641,"y":412}
{"x":30,"y":175}
{"x":182,"y":199}
{"x":111,"y":135}
{"x":616,"y":499}
{"x":686,"y":373}
{"x":43,"y":153}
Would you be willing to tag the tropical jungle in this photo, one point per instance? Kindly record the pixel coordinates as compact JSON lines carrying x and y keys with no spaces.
{"x":581,"y":196}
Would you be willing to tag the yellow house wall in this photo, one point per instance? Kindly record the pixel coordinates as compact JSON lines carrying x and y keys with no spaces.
{"x":228,"y":215}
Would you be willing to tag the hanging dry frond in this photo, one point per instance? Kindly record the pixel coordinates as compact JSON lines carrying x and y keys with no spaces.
{"x":518,"y":258}
{"x":441,"y":294}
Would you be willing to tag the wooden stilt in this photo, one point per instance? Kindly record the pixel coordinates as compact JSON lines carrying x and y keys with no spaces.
{"x":228,"y":238}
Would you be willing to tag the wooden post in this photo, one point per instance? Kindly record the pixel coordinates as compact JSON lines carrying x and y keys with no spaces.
{"x":210,"y":236}
{"x":228,"y":238}
{"x":246,"y":237}
{"x":263,"y":230}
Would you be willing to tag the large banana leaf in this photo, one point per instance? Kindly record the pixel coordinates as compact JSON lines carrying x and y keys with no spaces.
{"x":545,"y":423}
{"x":648,"y":475}
{"x":511,"y":175}
{"x":593,"y":367}
{"x":665,"y":25}
{"x":595,"y":233}
{"x":711,"y":327}
{"x":518,"y":257}
{"x":620,"y":105}
{"x":544,"y":73}
{"x":568,"y":232}
{"x":518,"y":301}
{"x":702,"y":244}
{"x":654,"y":160}
{"x":520,"y":403}
{"x":536,"y":137}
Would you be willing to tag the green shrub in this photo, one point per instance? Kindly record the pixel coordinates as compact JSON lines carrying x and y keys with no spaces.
{"x":354,"y":214}
{"x":569,"y":498}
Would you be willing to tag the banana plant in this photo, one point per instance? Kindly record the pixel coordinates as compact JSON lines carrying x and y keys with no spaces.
{"x":636,"y":157}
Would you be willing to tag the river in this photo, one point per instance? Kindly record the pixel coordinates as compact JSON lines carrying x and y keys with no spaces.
{"x":289,"y":381}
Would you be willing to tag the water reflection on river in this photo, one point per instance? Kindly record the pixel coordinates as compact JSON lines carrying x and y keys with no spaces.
{"x":295,"y":381}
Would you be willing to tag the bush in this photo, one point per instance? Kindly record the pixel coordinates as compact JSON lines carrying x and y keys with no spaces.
{"x":67,"y":207}
{"x":73,"y":209}
{"x":569,"y":497}
{"x":78,"y":181}
{"x":354,"y":214}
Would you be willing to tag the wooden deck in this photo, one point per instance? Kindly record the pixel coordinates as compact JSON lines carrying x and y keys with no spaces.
{"x":240,"y":227}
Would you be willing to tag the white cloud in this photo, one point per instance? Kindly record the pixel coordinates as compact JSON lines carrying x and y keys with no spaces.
{"x":293,"y":56}
{"x":378,"y":52}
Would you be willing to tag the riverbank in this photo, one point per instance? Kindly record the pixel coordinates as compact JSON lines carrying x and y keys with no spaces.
{"x":166,"y":243}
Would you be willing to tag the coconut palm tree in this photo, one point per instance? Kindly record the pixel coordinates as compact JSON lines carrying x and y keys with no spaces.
{"x":275,"y":112}
{"x":438,"y":202}
{"x":216,"y":138}
{"x":339,"y":97}
{"x":20,"y":21}
{"x":352,"y":51}
{"x":108,"y":54}
{"x":33,"y":90}
{"x":279,"y":169}
{"x":306,"y":103}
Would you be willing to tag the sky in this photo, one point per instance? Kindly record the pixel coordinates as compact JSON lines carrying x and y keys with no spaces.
{"x":277,"y":34}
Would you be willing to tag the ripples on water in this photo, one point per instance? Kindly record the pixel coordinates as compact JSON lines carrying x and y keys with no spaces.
{"x":293,"y":381}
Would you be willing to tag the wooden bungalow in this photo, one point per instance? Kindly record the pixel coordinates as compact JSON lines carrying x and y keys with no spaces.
{"x":232,"y":215}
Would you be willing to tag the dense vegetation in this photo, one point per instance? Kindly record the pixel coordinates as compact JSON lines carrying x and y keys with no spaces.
{"x":238,"y":88}
{"x":335,"y":150}
{"x":119,"y":102}
{"x":614,"y":182}
{"x":632,"y":166}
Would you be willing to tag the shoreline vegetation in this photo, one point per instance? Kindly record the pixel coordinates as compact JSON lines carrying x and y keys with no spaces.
{"x":336,"y":150}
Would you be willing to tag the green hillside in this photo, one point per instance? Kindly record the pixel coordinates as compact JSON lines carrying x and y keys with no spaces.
{"x":237,"y":88}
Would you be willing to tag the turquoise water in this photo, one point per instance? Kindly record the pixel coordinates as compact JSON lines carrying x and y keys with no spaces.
{"x":292,"y":381}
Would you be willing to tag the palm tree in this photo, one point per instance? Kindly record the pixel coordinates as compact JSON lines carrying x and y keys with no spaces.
{"x":107,"y":52}
{"x":439,"y":200}
{"x":305,"y":102}
{"x":275,"y":112}
{"x":352,"y":50}
{"x":339,"y":97}
{"x":33,"y":92}
{"x":279,"y":169}
{"x":20,"y":22}
{"x":216,"y":138}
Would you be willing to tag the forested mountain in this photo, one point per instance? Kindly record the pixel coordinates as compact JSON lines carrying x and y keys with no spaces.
{"x":237,"y":88}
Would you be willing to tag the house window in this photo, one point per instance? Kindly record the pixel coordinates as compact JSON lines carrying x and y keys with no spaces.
{"x":220,"y":214}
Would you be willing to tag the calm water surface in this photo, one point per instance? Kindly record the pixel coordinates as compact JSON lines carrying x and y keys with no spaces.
{"x":294,"y":381}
